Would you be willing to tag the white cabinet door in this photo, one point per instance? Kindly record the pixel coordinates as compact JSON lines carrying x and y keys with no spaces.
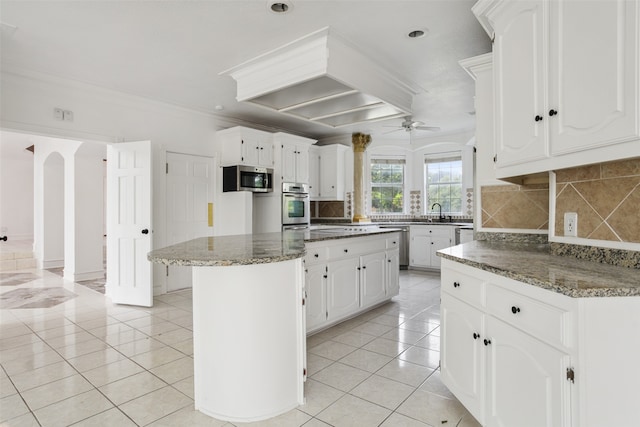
{"x":314,"y":173}
{"x":462,"y":353}
{"x":593,"y":61}
{"x":372,"y":278}
{"x":343,"y":287}
{"x":437,"y":243}
{"x":257,"y":152}
{"x":302,"y":164}
{"x":526,"y":379}
{"x":316,"y":300}
{"x":393,"y":273}
{"x":520,"y":84}
{"x":295,"y":163}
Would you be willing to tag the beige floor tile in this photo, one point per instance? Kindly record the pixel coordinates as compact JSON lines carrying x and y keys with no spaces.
{"x":11,"y":407}
{"x":132,"y":387}
{"x":157,"y":357}
{"x":405,"y":372}
{"x":96,"y":359}
{"x":9,"y":354}
{"x":387,"y":347}
{"x":8,"y":330}
{"x":175,"y":336}
{"x":26,"y":420}
{"x":341,"y":376}
{"x":74,"y":409}
{"x":43,"y":375}
{"x":112,"y":372}
{"x":185,"y":387}
{"x":383,"y":391}
{"x":421,"y":356}
{"x":399,"y":420}
{"x":174,"y":371}
{"x":388,"y":319}
{"x":138,"y":347}
{"x":404,"y":335}
{"x":419,"y":326}
{"x":69,"y":339}
{"x":157,"y":326}
{"x":189,"y":417}
{"x":316,"y":363}
{"x":110,"y":417}
{"x":354,"y":339}
{"x":185,"y":346}
{"x":314,"y":422}
{"x":332,"y":350}
{"x":434,"y":385}
{"x":366,"y":360}
{"x":293,"y":418}
{"x":432,"y":409}
{"x":431,"y":342}
{"x":31,"y":361}
{"x":82,"y":348}
{"x":56,"y":391}
{"x":372,"y":328}
{"x":124,"y":337}
{"x":49,"y":334}
{"x":318,"y":396}
{"x":6,"y":386}
{"x":351,"y":411}
{"x":155,"y":405}
{"x":19,"y":341}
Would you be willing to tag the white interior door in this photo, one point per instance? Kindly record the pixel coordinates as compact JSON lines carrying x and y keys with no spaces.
{"x":190,"y":184}
{"x":129,"y":227}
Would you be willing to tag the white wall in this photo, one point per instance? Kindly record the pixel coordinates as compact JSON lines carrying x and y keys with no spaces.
{"x":27,"y":104}
{"x":16,"y":186}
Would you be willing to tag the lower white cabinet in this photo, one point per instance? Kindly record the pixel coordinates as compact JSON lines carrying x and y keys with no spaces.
{"x":348,"y":276}
{"x":425,"y":241}
{"x":518,"y":355}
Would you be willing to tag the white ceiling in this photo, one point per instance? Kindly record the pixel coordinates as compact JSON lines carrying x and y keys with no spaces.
{"x":173,"y":51}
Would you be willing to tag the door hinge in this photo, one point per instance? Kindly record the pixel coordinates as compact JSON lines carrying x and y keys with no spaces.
{"x":166,"y":169}
{"x":303,"y":301}
{"x":167,"y":271}
{"x":495,"y":158}
{"x":570,"y":375}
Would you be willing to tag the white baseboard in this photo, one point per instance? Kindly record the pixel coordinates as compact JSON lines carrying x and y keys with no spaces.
{"x":89,"y":275}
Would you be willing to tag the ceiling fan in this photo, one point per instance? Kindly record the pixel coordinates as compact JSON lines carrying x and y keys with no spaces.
{"x":409,"y":125}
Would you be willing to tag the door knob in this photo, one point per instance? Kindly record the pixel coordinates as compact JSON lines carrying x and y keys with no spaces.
{"x":145,"y":231}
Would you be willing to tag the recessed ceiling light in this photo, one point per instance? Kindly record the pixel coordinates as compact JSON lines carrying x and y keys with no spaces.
{"x":280,"y":7}
{"x":415,"y":34}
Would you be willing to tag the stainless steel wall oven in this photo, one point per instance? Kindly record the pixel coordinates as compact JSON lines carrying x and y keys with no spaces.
{"x":295,"y":205}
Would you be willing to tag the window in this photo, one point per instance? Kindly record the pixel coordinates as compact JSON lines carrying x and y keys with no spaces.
{"x":387,"y":185}
{"x":443,"y":174}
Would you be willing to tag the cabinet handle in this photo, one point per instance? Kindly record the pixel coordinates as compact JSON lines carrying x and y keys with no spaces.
{"x":487,"y":342}
{"x":515,"y":309}
{"x":538,"y":118}
{"x":476,"y":336}
{"x":325,"y":276}
{"x":364,"y":267}
{"x":456,"y":284}
{"x":553,"y":112}
{"x":358,"y":268}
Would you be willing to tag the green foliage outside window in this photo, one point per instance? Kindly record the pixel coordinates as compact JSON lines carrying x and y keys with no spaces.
{"x":444,"y":184}
{"x":387,"y":187}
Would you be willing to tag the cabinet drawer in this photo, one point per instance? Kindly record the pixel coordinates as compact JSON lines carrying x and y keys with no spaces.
{"x":354,"y":247}
{"x":316,"y":255}
{"x":546,"y":322}
{"x":462,"y":286}
{"x":393,"y":242}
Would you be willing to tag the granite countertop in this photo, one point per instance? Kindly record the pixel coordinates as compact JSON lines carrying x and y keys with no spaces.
{"x":534,"y":264}
{"x":246,"y":249}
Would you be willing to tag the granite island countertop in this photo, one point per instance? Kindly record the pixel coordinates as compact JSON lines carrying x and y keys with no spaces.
{"x":533,"y":264}
{"x":247,"y":249}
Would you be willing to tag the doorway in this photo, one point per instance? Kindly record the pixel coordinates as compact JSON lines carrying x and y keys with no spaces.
{"x":190,"y":184}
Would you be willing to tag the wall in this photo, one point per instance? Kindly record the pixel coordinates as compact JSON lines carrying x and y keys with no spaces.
{"x":515,"y":207}
{"x":16,"y":186}
{"x":606,"y":198}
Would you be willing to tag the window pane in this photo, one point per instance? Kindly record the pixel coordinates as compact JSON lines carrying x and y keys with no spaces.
{"x":387,"y":187}
{"x":444,"y":184}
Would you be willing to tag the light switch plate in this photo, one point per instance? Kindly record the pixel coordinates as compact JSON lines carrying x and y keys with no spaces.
{"x":571,"y":224}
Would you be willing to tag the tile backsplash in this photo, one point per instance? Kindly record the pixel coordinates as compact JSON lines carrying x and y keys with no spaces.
{"x":606,"y":198}
{"x":513,"y":206}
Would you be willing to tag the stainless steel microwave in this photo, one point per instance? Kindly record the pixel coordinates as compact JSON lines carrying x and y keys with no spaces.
{"x":247,"y":178}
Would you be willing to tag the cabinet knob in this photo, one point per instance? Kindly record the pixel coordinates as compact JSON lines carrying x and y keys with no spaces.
{"x":346,"y":250}
{"x":394,"y":242}
{"x":515,"y":309}
{"x":388,"y":260}
{"x":145,"y":231}
{"x":538,"y":118}
{"x":553,"y":112}
{"x":487,"y":342}
{"x":456,"y":284}
{"x":325,"y":276}
{"x":476,"y":336}
{"x":316,"y":255}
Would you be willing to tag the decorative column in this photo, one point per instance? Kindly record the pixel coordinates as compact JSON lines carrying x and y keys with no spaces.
{"x":360,"y":142}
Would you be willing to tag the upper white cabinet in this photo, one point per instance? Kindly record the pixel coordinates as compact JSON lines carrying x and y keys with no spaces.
{"x":294,"y":165}
{"x":245,"y":146}
{"x":327,"y":167}
{"x":567,"y":82}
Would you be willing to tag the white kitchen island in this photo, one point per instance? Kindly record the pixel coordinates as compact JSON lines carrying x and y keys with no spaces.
{"x":248,"y":323}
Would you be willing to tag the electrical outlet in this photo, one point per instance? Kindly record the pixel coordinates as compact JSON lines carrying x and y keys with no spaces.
{"x":58,"y":114}
{"x":68,"y":115}
{"x":571,"y":224}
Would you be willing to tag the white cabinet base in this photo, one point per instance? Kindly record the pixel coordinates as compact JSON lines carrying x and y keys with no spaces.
{"x":248,"y":340}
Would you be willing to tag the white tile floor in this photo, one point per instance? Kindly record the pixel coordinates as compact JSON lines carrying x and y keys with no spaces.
{"x":87,"y":362}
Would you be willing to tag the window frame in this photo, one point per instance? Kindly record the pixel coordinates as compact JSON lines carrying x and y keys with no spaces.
{"x":437,"y":158}
{"x":382,"y":159}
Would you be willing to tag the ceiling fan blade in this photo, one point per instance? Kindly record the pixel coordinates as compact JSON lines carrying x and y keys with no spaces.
{"x":431,"y":128}
{"x":392,"y":131}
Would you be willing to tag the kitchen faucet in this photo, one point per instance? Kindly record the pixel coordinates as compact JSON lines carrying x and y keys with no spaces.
{"x":440,"y":217}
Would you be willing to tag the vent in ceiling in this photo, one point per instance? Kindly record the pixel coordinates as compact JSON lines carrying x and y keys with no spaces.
{"x":323,"y":79}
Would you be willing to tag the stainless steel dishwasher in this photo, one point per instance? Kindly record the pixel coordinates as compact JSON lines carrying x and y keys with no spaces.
{"x":404,"y":244}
